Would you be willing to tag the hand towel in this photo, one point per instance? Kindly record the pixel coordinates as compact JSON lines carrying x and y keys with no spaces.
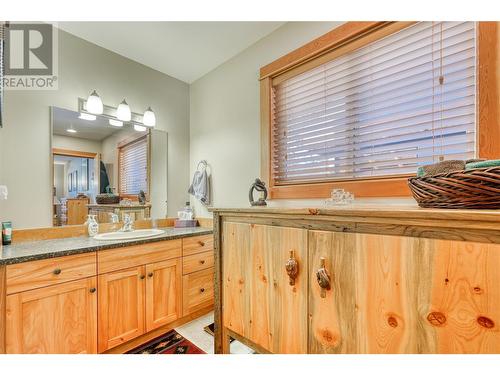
{"x":200,"y":187}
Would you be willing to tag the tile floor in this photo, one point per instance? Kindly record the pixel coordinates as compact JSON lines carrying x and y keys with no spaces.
{"x":195,"y":333}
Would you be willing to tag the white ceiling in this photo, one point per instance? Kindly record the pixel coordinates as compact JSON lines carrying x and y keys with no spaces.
{"x":184,"y":50}
{"x":97,"y":130}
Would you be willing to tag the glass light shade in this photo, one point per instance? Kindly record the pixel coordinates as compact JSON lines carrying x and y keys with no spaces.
{"x":149,"y":118}
{"x":139,"y":128}
{"x":86,"y":116}
{"x":94,"y":104}
{"x":123,"y":111}
{"x":116,"y":123}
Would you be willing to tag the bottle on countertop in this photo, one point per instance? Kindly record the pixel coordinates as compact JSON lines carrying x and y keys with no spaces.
{"x":92,"y":225}
{"x":187,"y":213}
{"x":6,"y":233}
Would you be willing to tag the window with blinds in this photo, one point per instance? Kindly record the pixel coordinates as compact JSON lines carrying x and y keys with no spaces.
{"x":133,"y":167}
{"x":400,"y":102}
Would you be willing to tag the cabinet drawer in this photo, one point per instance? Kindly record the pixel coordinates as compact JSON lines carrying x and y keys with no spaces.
{"x":198,"y":290}
{"x":41,"y":273}
{"x":198,"y":244}
{"x":197,"y":262}
{"x":133,"y":256}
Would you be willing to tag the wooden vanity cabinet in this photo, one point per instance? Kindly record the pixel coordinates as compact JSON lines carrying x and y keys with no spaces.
{"x":56,"y":319}
{"x":139,"y":299}
{"x":94,"y":302}
{"x":355,"y":293}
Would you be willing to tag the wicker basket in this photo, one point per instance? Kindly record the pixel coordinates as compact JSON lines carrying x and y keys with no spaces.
{"x":475,"y":188}
{"x":107,"y":199}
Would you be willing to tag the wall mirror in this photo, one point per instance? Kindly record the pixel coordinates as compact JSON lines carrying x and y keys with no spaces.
{"x":101,"y":166}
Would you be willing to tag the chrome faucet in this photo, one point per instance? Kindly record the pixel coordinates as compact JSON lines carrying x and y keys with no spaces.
{"x":128,"y":223}
{"x":114,"y":218}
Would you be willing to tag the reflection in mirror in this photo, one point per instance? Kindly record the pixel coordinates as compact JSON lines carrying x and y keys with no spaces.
{"x":106,"y":168}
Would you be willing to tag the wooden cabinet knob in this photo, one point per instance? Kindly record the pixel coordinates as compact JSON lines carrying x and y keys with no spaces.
{"x":92,"y":290}
{"x":202,"y":262}
{"x":202,"y":290}
{"x":57,"y":271}
{"x":323,"y":277}
{"x":142,"y":277}
{"x":292,"y":268}
{"x":150,"y":274}
{"x":201,"y":243}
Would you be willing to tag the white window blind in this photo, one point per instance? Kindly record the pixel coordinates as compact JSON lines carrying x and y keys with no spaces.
{"x":400,"y":102}
{"x":133,"y":167}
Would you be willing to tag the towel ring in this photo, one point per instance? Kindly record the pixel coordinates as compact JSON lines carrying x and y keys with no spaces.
{"x":203,"y":163}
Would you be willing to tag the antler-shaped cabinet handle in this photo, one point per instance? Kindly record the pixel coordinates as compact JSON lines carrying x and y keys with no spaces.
{"x":323,"y":277}
{"x":292,"y":268}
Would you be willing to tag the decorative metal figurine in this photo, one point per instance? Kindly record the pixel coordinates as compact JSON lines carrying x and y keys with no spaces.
{"x":142,"y":197}
{"x":260,"y":186}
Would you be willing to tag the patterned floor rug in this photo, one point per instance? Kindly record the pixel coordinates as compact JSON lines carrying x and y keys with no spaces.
{"x":169,"y":343}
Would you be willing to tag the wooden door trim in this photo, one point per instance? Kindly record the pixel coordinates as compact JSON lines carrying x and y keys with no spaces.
{"x":74,"y":153}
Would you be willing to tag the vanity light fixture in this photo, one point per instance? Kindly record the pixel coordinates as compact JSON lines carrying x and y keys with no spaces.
{"x":116,"y":123}
{"x":86,"y":116}
{"x":94,"y":104}
{"x":149,"y":118}
{"x":123,"y":111}
{"x":139,"y":128}
{"x":71,"y":130}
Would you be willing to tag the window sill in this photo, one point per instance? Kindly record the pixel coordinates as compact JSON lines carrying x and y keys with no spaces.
{"x":389,"y":187}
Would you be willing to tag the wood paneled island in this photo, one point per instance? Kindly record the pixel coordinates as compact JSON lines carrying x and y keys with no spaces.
{"x":358,"y":279}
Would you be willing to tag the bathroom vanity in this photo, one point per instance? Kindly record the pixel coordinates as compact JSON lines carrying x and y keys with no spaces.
{"x":80,"y":295}
{"x":358,"y":279}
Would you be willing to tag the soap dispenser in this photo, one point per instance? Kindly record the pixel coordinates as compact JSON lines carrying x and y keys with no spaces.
{"x":92,"y":225}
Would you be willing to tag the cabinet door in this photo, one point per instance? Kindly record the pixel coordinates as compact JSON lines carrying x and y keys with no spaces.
{"x":259,"y":302}
{"x":59,"y":319}
{"x":392,"y":294}
{"x":121,"y":306}
{"x":163,"y":293}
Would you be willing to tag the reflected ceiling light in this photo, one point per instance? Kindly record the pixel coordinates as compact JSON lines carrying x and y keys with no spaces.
{"x":86,"y":116}
{"x":140,"y":128}
{"x":149,"y":118}
{"x":94,"y":104}
{"x":123,"y":111}
{"x":116,"y":123}
{"x":71,"y":130}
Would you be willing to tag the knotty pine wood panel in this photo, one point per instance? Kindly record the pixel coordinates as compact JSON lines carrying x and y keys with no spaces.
{"x":466,"y":293}
{"x":262,"y":305}
{"x":236,"y":277}
{"x":163,"y":293}
{"x":404,"y":295}
{"x":59,"y":319}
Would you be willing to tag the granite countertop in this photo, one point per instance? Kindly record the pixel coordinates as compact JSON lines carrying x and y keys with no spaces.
{"x":36,"y":250}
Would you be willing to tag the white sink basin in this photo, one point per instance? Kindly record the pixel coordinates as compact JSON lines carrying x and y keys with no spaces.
{"x":140,"y":233}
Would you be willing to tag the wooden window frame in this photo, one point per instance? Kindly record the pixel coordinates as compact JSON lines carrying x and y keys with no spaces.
{"x":351,"y":36}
